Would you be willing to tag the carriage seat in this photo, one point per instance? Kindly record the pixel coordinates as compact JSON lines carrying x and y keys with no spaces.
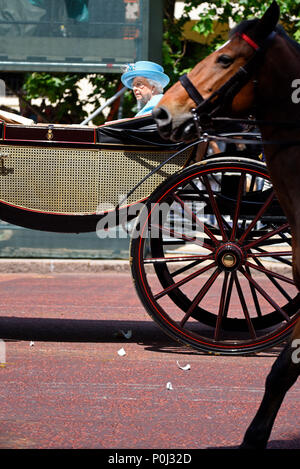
{"x":140,"y":131}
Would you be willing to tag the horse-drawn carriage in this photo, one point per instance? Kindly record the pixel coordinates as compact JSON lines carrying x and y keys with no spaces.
{"x":208,"y":235}
{"x":210,"y":248}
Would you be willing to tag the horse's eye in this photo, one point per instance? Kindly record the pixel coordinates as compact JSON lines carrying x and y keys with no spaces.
{"x":225,"y":60}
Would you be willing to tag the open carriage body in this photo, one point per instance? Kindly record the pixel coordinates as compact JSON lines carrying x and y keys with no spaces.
{"x":65,"y":178}
{"x":202,"y":228}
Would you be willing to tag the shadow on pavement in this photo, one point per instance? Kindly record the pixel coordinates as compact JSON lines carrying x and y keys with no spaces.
{"x":145,"y":333}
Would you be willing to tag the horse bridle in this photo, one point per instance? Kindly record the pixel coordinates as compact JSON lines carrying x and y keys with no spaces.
{"x":207,"y":108}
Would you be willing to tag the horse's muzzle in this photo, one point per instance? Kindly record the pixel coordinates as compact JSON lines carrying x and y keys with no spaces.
{"x":163,"y":121}
{"x":182,"y":129}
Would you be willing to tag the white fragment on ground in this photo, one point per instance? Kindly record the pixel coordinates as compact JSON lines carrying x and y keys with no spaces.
{"x":121,"y":352}
{"x":185,"y":367}
{"x":169,"y":386}
{"x":127,"y":334}
{"x":31,"y":343}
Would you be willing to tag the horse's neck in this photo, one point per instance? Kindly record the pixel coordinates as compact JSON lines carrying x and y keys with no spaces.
{"x":278,"y":99}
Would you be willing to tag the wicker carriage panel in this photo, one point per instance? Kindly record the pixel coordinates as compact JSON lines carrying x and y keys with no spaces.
{"x":65,"y":180}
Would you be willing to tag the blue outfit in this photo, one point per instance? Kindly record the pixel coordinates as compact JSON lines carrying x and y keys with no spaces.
{"x":150,"y":105}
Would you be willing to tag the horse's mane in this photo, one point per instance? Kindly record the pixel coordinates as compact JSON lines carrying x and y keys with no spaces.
{"x":246,"y":25}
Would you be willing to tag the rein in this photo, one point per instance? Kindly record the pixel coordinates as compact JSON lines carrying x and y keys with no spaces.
{"x":252,"y":122}
{"x":256,"y":140}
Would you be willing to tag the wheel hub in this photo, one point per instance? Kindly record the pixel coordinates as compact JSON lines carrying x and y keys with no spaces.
{"x":229,"y":257}
{"x":229,"y":260}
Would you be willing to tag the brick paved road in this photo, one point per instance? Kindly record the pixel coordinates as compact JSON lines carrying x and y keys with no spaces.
{"x":71,"y":389}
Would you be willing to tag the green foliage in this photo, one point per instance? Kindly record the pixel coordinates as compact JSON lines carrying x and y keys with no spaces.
{"x":54,"y":87}
{"x":104,"y":87}
{"x":180,"y":55}
{"x":62,"y":90}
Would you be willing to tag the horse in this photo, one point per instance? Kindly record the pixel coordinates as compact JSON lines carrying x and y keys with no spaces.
{"x":256,"y":72}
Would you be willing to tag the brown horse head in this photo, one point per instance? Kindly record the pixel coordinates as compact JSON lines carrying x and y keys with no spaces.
{"x":174,"y":114}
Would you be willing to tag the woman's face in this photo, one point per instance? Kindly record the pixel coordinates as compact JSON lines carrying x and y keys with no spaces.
{"x":142,"y":89}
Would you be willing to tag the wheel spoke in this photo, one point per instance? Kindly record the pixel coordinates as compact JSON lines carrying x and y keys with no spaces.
{"x":275,"y":283}
{"x":270,"y":273}
{"x":215,"y":208}
{"x":257,"y":217}
{"x":244,"y":306}
{"x":284,"y":237}
{"x":221,"y":307}
{"x":254,"y":295}
{"x":159,"y":260}
{"x":196,"y":219}
{"x":265,"y":295}
{"x":202,"y":198}
{"x":228,"y":296}
{"x":267,"y":242}
{"x":256,"y":242}
{"x":200,"y":296}
{"x":176,"y":234}
{"x":190,"y":277}
{"x":269,"y":254}
{"x":276,"y":255}
{"x":189,"y":266}
{"x":238,"y":206}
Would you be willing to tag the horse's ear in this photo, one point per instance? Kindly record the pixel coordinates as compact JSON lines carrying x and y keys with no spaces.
{"x":267,"y":23}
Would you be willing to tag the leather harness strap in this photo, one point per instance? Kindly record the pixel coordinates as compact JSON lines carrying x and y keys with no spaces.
{"x":191,"y":89}
{"x":219,"y":99}
{"x":248,"y":40}
{"x":236,"y":81}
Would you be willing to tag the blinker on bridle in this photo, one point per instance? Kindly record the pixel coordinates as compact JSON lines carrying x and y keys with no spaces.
{"x":207,"y":108}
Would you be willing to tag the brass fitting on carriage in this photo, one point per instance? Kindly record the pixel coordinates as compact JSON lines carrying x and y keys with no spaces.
{"x":50,"y":132}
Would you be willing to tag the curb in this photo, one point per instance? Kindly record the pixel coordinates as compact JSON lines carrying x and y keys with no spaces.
{"x":62,"y":266}
{"x":43,"y":266}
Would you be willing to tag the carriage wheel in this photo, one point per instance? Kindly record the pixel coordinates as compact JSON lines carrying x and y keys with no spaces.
{"x":211,"y":258}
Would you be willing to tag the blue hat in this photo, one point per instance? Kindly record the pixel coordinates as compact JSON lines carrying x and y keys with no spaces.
{"x":144,"y":69}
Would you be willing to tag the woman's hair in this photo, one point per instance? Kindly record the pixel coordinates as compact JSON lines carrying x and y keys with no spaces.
{"x":159,"y":88}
